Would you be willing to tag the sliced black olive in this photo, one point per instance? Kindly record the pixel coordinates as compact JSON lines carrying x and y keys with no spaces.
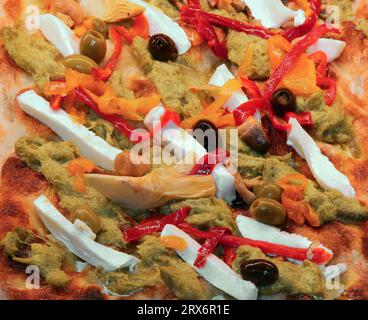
{"x":260,"y":272}
{"x":283,"y":100}
{"x":207,"y":138}
{"x":162,"y":48}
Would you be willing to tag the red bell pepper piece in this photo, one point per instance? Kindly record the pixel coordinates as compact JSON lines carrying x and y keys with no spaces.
{"x":105,"y":72}
{"x":323,"y":80}
{"x":208,"y":246}
{"x":317,"y":255}
{"x":229,"y":255}
{"x":248,"y":109}
{"x":168,"y":116}
{"x":146,"y":228}
{"x":251,"y":88}
{"x":291,"y":58}
{"x":118,"y":122}
{"x":56,"y":102}
{"x":299,"y":31}
{"x":304,"y":118}
{"x":208,"y":162}
{"x":140,"y":28}
{"x":188,"y":12}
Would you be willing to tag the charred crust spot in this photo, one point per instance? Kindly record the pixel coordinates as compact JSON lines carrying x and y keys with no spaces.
{"x":92,"y":293}
{"x":16,"y":176}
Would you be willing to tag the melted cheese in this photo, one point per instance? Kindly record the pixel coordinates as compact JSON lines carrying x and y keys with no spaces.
{"x":221,"y":75}
{"x":59,"y":34}
{"x":322,"y":168}
{"x":331,"y":47}
{"x":90,"y":145}
{"x":215,"y":271}
{"x":271,"y":13}
{"x":78,"y":242}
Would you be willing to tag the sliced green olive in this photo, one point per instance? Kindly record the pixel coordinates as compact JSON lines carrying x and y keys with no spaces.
{"x":268,"y":211}
{"x":80,"y":63}
{"x":100,"y":26}
{"x":88,"y":216}
{"x":93,"y":45}
{"x":270,"y":191}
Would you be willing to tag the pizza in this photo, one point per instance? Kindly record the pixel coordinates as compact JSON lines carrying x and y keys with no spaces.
{"x":193,"y":149}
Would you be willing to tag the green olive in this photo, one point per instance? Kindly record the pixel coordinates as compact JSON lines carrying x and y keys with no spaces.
{"x":93,"y":45}
{"x":80,"y":63}
{"x":88,"y":216}
{"x":100,"y":26}
{"x":268,"y":211}
{"x":269,"y":190}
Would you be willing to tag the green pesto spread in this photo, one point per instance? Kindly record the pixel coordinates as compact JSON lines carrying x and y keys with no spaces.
{"x":329,"y":205}
{"x":170,"y":79}
{"x":293,"y":279}
{"x":238,"y":43}
{"x":207,"y":213}
{"x":158,"y":265}
{"x":47,"y":257}
{"x":33,"y":54}
{"x":166,"y":7}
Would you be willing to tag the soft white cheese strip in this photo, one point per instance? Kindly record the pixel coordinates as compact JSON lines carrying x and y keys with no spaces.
{"x":183,"y":145}
{"x":90,"y":145}
{"x":322,"y":168}
{"x":255,"y":230}
{"x":222,"y":75}
{"x":271,"y":13}
{"x":78,"y":242}
{"x":59,"y":34}
{"x":159,"y":22}
{"x":215,"y":271}
{"x":331,"y":47}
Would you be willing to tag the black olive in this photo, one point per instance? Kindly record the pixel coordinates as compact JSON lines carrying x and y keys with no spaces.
{"x":238,"y":203}
{"x":209,"y":139}
{"x":162,"y":48}
{"x":260,"y":272}
{"x":283,"y":100}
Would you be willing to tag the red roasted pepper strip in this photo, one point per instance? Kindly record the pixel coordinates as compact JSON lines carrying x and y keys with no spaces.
{"x":118,"y":122}
{"x":229,"y":255}
{"x":248,"y":109}
{"x":187,"y":13}
{"x":323,"y":80}
{"x":56,"y":102}
{"x":304,"y":118}
{"x":251,"y":88}
{"x":105,"y":72}
{"x":317,"y":255}
{"x":299,"y":31}
{"x":208,"y":33}
{"x":291,"y":58}
{"x":208,"y":247}
{"x":208,"y":162}
{"x":146,"y":228}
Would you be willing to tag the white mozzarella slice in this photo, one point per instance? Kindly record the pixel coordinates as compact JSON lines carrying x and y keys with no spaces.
{"x":331,"y":47}
{"x":215,"y":271}
{"x":333,"y":271}
{"x":252,"y":229}
{"x":322,"y":168}
{"x":221,"y":75}
{"x":82,"y":226}
{"x":159,"y":22}
{"x":59,"y":34}
{"x":184,"y":145}
{"x":78,"y":242}
{"x":270,"y":13}
{"x":90,"y":145}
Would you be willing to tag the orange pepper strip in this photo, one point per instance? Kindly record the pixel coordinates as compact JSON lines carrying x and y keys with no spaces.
{"x":77,"y":168}
{"x":140,"y":28}
{"x":302,"y":79}
{"x":173,"y":242}
{"x":294,"y":184}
